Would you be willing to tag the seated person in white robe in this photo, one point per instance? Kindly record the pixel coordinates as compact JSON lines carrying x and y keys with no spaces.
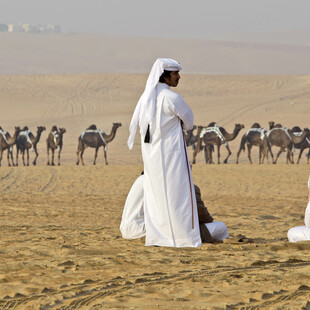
{"x":301,"y":233}
{"x":132,"y":225}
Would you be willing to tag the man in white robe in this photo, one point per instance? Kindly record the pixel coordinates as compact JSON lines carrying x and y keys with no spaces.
{"x":170,"y":209}
{"x":133,"y":226}
{"x":301,"y":233}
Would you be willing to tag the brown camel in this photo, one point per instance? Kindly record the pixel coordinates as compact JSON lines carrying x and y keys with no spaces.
{"x":284,"y":138}
{"x":218,"y":136}
{"x":6,"y":143}
{"x":273,"y":125}
{"x":199,"y":145}
{"x":255,"y":136}
{"x":190,"y":138}
{"x":25,"y":141}
{"x":54,"y":141}
{"x":95,"y":138}
{"x":304,"y":144}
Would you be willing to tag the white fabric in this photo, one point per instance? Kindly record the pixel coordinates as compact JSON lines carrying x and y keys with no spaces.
{"x":281,"y":128}
{"x":132,"y":224}
{"x":259,"y":130}
{"x":145,"y":109}
{"x":26,"y":134}
{"x":218,"y":230}
{"x":168,"y":181}
{"x":307,"y":213}
{"x":214,"y":129}
{"x":301,"y":233}
{"x":100,"y":132}
{"x":4,"y":135}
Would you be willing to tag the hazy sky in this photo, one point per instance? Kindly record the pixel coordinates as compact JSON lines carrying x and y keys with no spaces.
{"x":169,"y":18}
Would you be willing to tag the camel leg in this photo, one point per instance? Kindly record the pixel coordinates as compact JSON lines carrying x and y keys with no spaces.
{"x":270,"y":151}
{"x":81,"y":156}
{"x":281,"y":150}
{"x":208,"y":147}
{"x":59,"y":156}
{"x":105,"y":155}
{"x":79,"y":150}
{"x":53,"y":156}
{"x":300,"y":153}
{"x":48,"y":153}
{"x":17,"y":151}
{"x":96,"y":152}
{"x":11,"y":155}
{"x":229,"y":153}
{"x":249,"y":153}
{"x":308,"y":156}
{"x":289,"y":156}
{"x":196,"y":151}
{"x":27,"y":157}
{"x":1,"y":151}
{"x":37,"y":154}
{"x":23,"y":156}
{"x":262,"y":154}
{"x":8,"y":156}
{"x":78,"y":157}
{"x":207,"y":159}
{"x":242,"y":144}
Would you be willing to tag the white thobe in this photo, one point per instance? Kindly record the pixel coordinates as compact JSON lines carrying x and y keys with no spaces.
{"x":171,"y":218}
{"x":301,"y":233}
{"x":132,"y":224}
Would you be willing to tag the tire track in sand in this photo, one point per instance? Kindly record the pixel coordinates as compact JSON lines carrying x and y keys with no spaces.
{"x":84,"y":294}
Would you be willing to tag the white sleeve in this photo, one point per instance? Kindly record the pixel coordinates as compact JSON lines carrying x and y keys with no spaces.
{"x":182,"y":110}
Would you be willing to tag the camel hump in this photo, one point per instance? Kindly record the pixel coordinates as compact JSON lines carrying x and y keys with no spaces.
{"x":92,"y":127}
{"x":256,"y":125}
{"x":296,"y":129}
{"x":25,"y":128}
{"x":212,"y":124}
{"x":54,"y":128}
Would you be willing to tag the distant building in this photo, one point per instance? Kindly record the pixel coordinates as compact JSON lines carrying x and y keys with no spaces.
{"x":15,"y":28}
{"x":30,"y":28}
{"x":4,"y":28}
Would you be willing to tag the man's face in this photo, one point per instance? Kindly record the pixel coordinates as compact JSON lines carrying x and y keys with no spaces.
{"x":173,"y":80}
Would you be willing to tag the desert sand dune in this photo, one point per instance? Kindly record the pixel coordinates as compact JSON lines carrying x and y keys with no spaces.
{"x":61,"y":247}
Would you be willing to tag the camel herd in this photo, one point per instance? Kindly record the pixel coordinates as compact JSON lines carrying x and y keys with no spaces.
{"x":24,"y":140}
{"x":206,"y":138}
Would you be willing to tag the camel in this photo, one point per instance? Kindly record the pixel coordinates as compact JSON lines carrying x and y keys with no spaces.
{"x":190,"y":138}
{"x":256,"y":136}
{"x":284,"y":138}
{"x":25,"y":141}
{"x":218,"y":136}
{"x":273,"y":125}
{"x":53,"y":142}
{"x":198,"y":147}
{"x":95,"y":138}
{"x":6,"y":143}
{"x":302,"y":145}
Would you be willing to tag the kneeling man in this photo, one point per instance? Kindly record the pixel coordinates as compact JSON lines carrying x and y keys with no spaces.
{"x":133,"y":226}
{"x":301,"y":233}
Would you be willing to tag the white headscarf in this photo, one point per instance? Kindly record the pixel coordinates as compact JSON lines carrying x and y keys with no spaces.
{"x":145,"y":109}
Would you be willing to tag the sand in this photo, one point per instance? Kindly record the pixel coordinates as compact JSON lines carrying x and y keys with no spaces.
{"x":60,"y":245}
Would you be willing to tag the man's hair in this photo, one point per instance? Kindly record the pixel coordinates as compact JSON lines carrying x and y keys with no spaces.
{"x":166,"y":74}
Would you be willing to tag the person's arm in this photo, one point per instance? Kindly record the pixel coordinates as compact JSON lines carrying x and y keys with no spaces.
{"x":182,"y":110}
{"x":203,"y":214}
